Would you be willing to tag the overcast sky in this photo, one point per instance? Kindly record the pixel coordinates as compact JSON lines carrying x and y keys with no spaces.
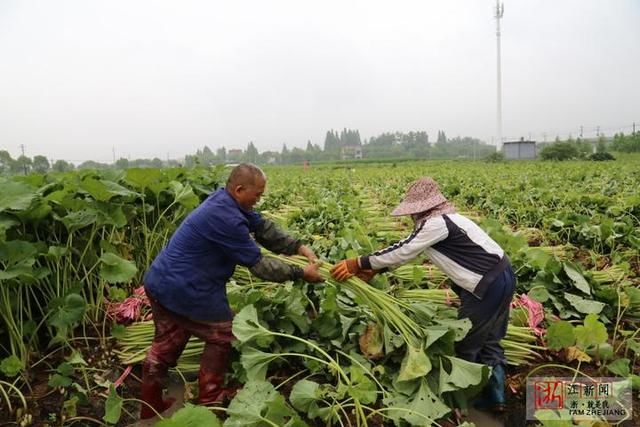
{"x":79,"y":79}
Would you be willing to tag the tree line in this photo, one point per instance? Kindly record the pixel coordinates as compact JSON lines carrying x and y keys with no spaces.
{"x":345,"y":144}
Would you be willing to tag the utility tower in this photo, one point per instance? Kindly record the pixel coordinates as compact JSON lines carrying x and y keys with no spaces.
{"x":24,"y":159}
{"x":498,"y":15}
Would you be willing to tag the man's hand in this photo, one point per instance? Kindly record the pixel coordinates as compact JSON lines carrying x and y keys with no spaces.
{"x":305,"y":251}
{"x":345,"y":269}
{"x":311,"y":273}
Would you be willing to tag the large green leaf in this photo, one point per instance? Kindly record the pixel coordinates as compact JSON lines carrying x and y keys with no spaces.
{"x":537,"y":258}
{"x":142,"y":178}
{"x":96,"y":189}
{"x":592,"y":333}
{"x":424,"y":407}
{"x":69,"y":312}
{"x":37,"y":212}
{"x":112,"y":407}
{"x":256,"y":363}
{"x":191,"y":416}
{"x":620,"y":367}
{"x":460,"y":326}
{"x":23,"y":269}
{"x":258,"y":400}
{"x":57,"y":252}
{"x":16,"y":251}
{"x":434,"y":333}
{"x":110,"y":214}
{"x":115,"y":269}
{"x":16,"y":195}
{"x":361,"y":387}
{"x":551,"y":418}
{"x":184,"y":195}
{"x":79,"y":219}
{"x":415,"y":364}
{"x":463,"y":374}
{"x":577,"y":278}
{"x":246,"y":325}
{"x":304,"y":394}
{"x":585,"y":306}
{"x":560,"y":335}
{"x":116,"y":189}
{"x":6,"y":223}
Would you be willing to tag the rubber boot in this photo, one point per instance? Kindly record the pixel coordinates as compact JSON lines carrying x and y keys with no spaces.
{"x":493,"y":397}
{"x":213,"y":366}
{"x":211,"y":390}
{"x":151,"y":392}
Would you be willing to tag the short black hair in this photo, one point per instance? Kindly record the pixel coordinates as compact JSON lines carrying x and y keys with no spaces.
{"x":244,"y":174}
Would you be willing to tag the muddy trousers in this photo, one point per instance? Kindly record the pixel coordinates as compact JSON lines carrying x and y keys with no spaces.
{"x":172,"y":332}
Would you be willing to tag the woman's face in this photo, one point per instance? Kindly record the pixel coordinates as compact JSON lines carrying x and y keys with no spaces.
{"x":416,"y":216}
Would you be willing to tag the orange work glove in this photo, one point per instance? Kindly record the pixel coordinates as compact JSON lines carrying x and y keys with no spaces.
{"x":345,"y":269}
{"x":366,"y":275}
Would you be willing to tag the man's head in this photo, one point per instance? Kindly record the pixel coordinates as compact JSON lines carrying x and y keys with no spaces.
{"x":246,"y":184}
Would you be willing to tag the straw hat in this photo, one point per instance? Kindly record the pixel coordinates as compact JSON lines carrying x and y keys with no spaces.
{"x":421,"y":196}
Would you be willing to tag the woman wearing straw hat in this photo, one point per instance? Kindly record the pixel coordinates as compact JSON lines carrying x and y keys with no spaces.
{"x":476,"y":264}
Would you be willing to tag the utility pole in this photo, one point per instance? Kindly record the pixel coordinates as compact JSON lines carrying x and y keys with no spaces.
{"x":580,"y":131}
{"x":24,"y":159}
{"x":498,"y":16}
{"x":113,"y":151}
{"x":598,"y":131}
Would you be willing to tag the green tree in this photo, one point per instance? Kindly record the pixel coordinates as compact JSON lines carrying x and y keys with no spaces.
{"x":252,"y":153}
{"x":221,"y":153}
{"x":331,"y":142}
{"x":41,"y":164}
{"x":559,"y":151}
{"x":313,"y":152}
{"x":442,"y":138}
{"x":62,"y":166}
{"x":23,"y":164}
{"x":191,"y":161}
{"x":122,"y":163}
{"x":90,"y":164}
{"x":284,"y":156}
{"x":206,"y":156}
{"x":6,"y":162}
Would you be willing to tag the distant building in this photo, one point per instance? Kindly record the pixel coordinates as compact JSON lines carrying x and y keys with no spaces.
{"x":519,"y":150}
{"x":351,"y":152}
{"x":234,"y":155}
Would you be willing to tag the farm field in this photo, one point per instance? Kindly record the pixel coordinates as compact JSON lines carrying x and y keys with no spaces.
{"x":73,"y":328}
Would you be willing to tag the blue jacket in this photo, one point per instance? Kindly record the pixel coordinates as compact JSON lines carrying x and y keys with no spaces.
{"x":190,"y":274}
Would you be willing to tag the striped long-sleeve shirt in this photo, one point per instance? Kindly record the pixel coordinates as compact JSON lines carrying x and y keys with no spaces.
{"x":455,"y":244}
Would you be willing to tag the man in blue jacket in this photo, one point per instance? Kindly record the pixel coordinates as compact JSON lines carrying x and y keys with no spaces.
{"x":186,"y":283}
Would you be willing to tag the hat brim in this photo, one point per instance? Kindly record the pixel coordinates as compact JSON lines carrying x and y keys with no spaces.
{"x":407,"y":208}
